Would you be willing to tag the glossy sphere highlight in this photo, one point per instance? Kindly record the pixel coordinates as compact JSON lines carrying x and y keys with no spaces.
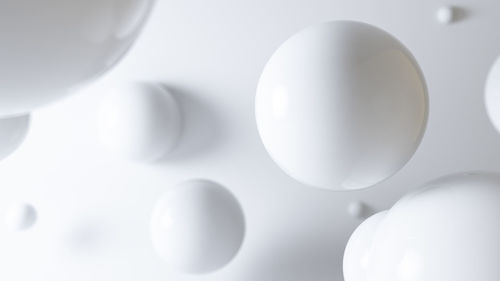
{"x":447,"y":231}
{"x":13,"y":130}
{"x":341,"y":105}
{"x":139,"y":121}
{"x":197,"y":227}
{"x":51,"y":46}
{"x":357,"y":252}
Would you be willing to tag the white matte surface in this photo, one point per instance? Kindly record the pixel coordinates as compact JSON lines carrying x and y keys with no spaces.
{"x":341,"y":105}
{"x":97,"y":209}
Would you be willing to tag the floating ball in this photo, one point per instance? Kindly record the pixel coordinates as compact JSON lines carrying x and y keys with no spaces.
{"x":20,"y":217}
{"x":492,"y":94}
{"x":448,"y":230}
{"x":341,"y":105}
{"x":197,"y":227}
{"x":357,"y":209}
{"x":445,"y":14}
{"x":357,"y":253}
{"x":49,"y":47}
{"x":139,"y":121}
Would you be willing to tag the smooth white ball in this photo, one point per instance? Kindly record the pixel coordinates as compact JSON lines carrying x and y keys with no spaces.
{"x":197,"y":227}
{"x":492,"y":94}
{"x":445,"y":15}
{"x":20,"y":217}
{"x":13,"y":131}
{"x":49,"y":47}
{"x":357,"y":253}
{"x":356,"y":209}
{"x":449,"y":230}
{"x":341,"y":105}
{"x":139,"y":121}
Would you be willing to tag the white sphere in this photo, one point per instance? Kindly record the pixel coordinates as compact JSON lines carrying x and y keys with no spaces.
{"x":445,"y":14}
{"x":139,"y":121}
{"x":492,"y":94}
{"x":20,"y":217}
{"x":357,"y":252}
{"x":450,"y":230}
{"x":13,"y":130}
{"x":356,"y":209}
{"x":341,"y":105}
{"x":197,"y":227}
{"x":51,"y":46}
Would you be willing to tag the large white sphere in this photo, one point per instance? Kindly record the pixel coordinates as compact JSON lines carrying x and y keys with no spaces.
{"x":139,"y":121}
{"x":197,"y":227}
{"x":20,"y":217}
{"x":341,"y":105}
{"x":13,"y":130}
{"x":51,"y":46}
{"x":448,"y":231}
{"x":357,"y":252}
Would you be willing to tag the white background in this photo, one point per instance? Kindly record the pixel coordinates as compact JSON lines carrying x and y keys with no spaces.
{"x":94,"y":209}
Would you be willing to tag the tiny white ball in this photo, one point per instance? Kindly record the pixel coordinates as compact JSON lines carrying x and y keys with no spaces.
{"x":13,"y":130}
{"x":356,"y":209}
{"x":492,"y":94}
{"x":139,"y":121}
{"x":20,"y":217}
{"x":445,"y":15}
{"x":197,"y":227}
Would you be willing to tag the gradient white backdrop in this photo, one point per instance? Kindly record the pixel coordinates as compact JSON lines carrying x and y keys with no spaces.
{"x":94,"y":209}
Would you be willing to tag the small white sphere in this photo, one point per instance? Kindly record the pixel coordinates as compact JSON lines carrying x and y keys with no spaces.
{"x":492,"y":94}
{"x":20,"y":217}
{"x":197,"y":227}
{"x":357,"y":252}
{"x":356,"y":209}
{"x":13,"y":130}
{"x":50,"y":47}
{"x":449,"y":230}
{"x":139,"y":121}
{"x":341,"y":105}
{"x":445,"y":15}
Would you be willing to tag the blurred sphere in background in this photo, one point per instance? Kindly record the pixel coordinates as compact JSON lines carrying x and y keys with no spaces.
{"x":20,"y":217}
{"x":50,"y":47}
{"x":139,"y":121}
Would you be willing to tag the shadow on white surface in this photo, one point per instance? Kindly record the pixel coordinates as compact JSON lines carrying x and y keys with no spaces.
{"x":312,"y":260}
{"x":87,"y":238}
{"x":201,"y":127}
